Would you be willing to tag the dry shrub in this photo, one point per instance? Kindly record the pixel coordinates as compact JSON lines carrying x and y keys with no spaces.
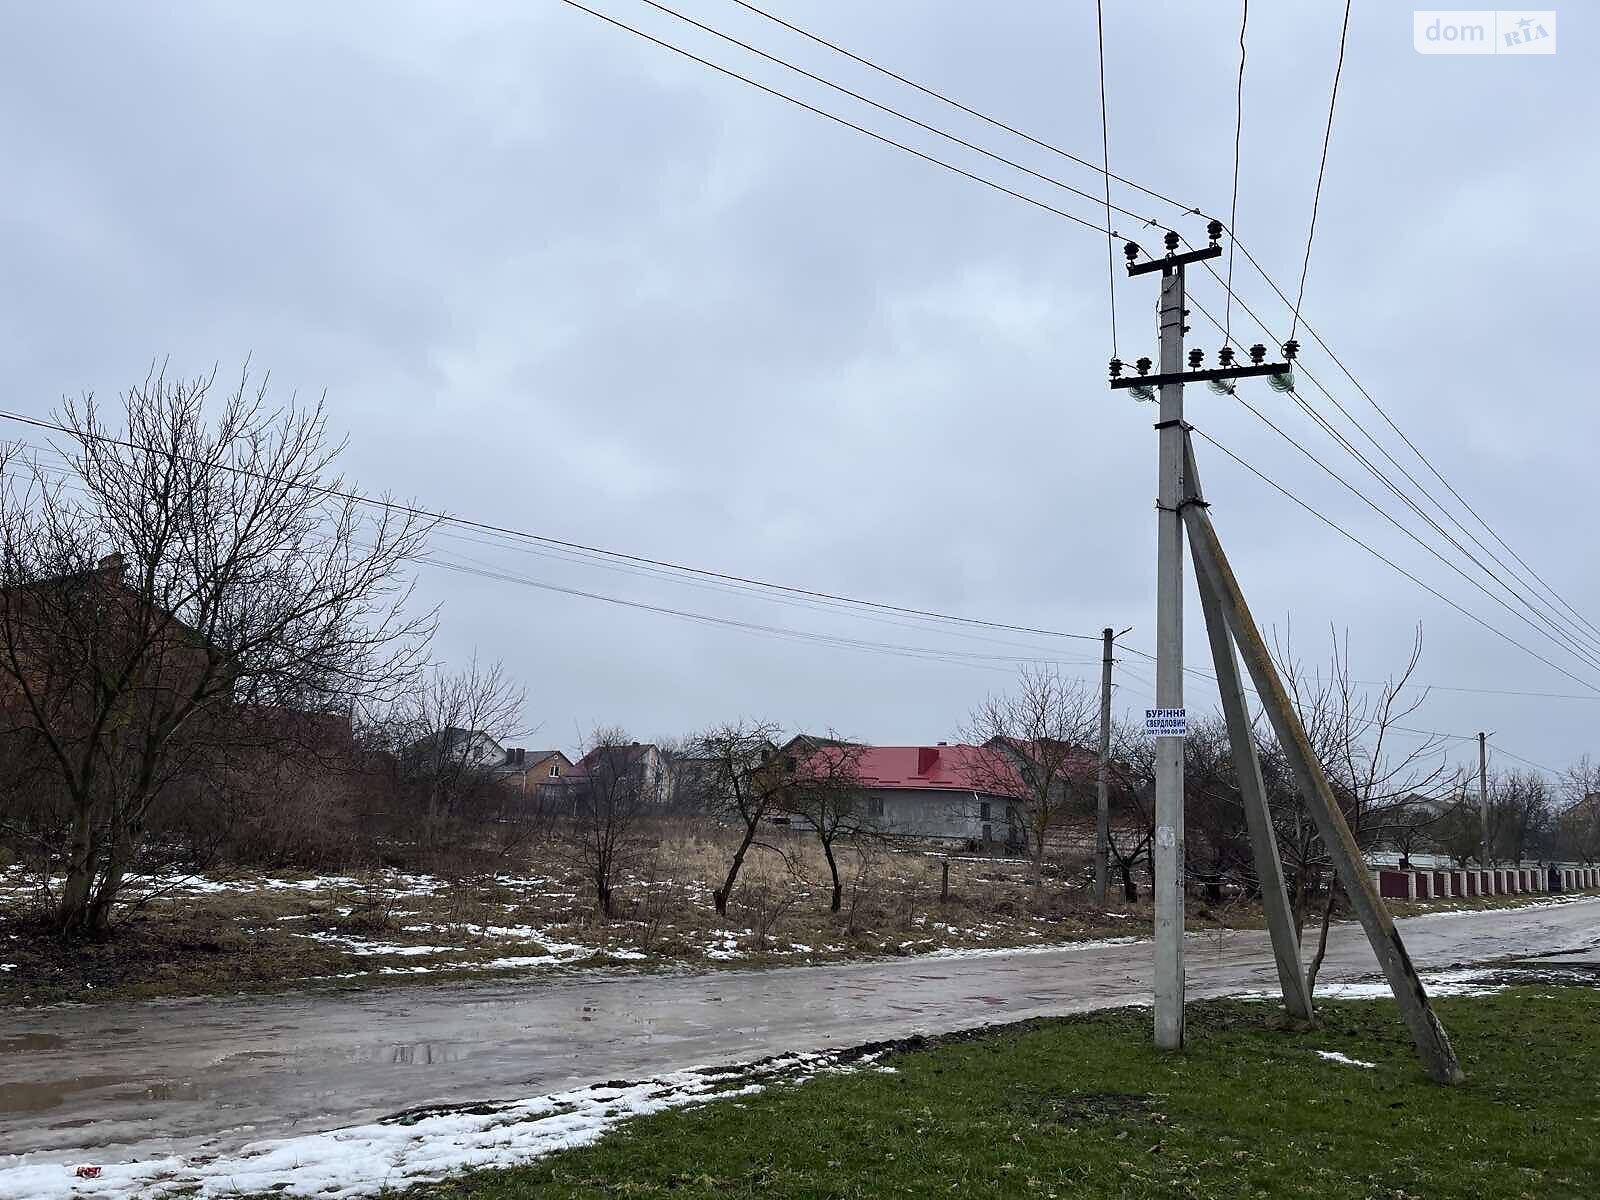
{"x":761,"y":902}
{"x":374,"y":905}
{"x":661,"y":895}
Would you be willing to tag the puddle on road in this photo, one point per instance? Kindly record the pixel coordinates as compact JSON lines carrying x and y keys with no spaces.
{"x":23,"y":1043}
{"x":166,"y":1089}
{"x":422,"y":1054}
{"x":37,"y":1096}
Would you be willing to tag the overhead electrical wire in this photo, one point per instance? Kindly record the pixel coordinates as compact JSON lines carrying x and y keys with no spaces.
{"x":1381,"y":557}
{"x":547,"y":540}
{"x":478,"y":568}
{"x":1103,"y":169}
{"x":971,"y":112}
{"x":1564,"y":635}
{"x":1105,"y":151}
{"x":1316,"y":199}
{"x":1107,"y":176}
{"x":1415,"y":450}
{"x":1499,"y":749}
{"x":1243,"y":249}
{"x":834,"y":117}
{"x":1233,"y":208}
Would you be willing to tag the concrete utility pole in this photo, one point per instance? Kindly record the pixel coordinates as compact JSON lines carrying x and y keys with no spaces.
{"x":1102,"y":819}
{"x":1230,"y":625}
{"x":1433,"y":1044}
{"x":1168,"y":724}
{"x":1167,"y":854}
{"x":1247,"y":767}
{"x":1483,"y":793}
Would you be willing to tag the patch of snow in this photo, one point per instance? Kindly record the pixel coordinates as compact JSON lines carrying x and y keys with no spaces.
{"x":356,"y":945}
{"x":414,"y":1148}
{"x":1335,"y":1056}
{"x":993,"y":952}
{"x":8,"y":966}
{"x":1437,"y":983}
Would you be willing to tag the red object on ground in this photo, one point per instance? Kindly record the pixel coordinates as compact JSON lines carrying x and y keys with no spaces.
{"x":87,"y":1172}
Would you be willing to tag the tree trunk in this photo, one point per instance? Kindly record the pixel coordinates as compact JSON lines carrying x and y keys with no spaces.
{"x":721,"y":895}
{"x":833,"y":870}
{"x":118,"y":860}
{"x":1322,"y":941}
{"x":72,"y":916}
{"x":1130,"y":889}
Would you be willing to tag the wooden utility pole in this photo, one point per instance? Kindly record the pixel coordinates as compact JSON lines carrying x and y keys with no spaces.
{"x":1102,"y":816}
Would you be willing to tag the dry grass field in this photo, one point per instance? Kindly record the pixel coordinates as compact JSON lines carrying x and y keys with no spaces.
{"x":250,"y":931}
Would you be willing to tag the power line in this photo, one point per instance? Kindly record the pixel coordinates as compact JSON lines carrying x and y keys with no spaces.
{"x":1390,"y":518}
{"x":1226,"y":326}
{"x":1316,"y":199}
{"x":1412,"y":446}
{"x":1234,"y":242}
{"x":681,"y":575}
{"x":547,"y":540}
{"x":958,"y":105}
{"x":821,"y":112}
{"x":1499,"y":749}
{"x":1564,"y":636}
{"x":925,"y":126}
{"x":1105,"y":150}
{"x":1339,"y":529}
{"x":477,"y":567}
{"x":1233,"y":209}
{"x":1230,"y":295}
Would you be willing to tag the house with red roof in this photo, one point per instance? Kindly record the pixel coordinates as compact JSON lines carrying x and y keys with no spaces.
{"x":944,"y":791}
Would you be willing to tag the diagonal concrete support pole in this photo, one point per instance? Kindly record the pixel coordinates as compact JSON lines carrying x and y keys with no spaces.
{"x":1433,"y":1044}
{"x":1252,"y":788}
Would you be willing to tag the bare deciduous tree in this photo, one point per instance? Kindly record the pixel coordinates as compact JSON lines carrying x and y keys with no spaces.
{"x":743,"y":785}
{"x":823,"y":795}
{"x":1521,"y":809}
{"x":606,"y":809}
{"x":183,"y":573}
{"x":1352,"y":731}
{"x":1040,"y":735}
{"x":444,"y":729}
{"x":1578,"y":825}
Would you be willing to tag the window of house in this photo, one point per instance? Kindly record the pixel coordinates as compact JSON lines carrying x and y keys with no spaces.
{"x":875,"y":806}
{"x":555,"y":770}
{"x":983,"y":811}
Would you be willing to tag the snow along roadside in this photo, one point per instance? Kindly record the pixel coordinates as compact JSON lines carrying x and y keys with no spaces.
{"x":420,"y":1146}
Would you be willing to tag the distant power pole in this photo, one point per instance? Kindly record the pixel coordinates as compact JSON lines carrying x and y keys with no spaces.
{"x":1102,"y":820}
{"x":1483,"y":793}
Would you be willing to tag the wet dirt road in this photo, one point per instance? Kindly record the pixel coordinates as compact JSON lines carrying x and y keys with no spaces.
{"x":129,"y":1081}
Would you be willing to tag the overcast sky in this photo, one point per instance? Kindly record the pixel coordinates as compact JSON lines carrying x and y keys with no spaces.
{"x":556,"y":278}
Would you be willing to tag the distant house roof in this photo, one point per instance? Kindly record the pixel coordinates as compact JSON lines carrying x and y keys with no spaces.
{"x":941,"y":768}
{"x":632,"y":754}
{"x":1078,"y":761}
{"x":991,"y":768}
{"x":538,"y":756}
{"x":452,"y":740}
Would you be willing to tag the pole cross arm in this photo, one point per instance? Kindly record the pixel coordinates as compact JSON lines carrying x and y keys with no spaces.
{"x":1281,"y":368}
{"x":1174,"y":260}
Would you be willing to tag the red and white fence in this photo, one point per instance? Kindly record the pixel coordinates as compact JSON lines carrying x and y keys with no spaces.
{"x":1441,"y":884}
